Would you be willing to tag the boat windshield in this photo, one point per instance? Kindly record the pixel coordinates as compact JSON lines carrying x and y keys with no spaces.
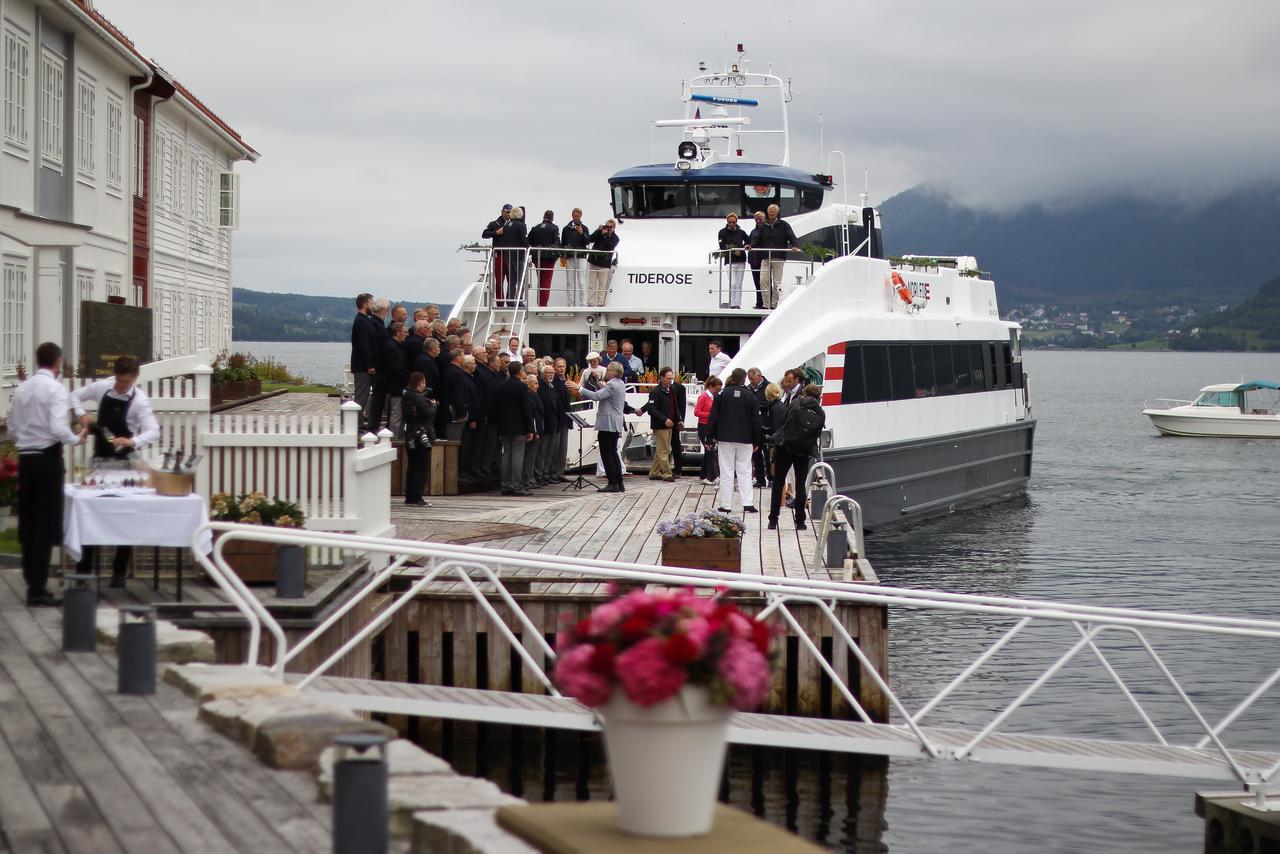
{"x":1219,"y":398}
{"x":714,"y":200}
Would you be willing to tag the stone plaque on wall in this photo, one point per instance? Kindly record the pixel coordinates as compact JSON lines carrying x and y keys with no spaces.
{"x":109,"y":331}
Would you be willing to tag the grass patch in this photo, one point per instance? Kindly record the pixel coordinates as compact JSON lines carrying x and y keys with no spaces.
{"x":9,"y":544}
{"x":303,"y":389}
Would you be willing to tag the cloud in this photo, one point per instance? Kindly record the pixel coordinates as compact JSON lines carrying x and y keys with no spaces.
{"x":393,"y":131}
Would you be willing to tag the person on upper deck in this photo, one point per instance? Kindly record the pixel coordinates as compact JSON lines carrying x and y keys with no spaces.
{"x":754,"y":257}
{"x":602,"y":261}
{"x":495,"y":232}
{"x":574,"y":237}
{"x":733,"y":241}
{"x":544,"y":237}
{"x":775,"y":238}
{"x":510,"y":239}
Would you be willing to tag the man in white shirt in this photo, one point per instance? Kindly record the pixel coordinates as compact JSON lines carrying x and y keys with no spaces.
{"x":513,"y":350}
{"x":38,"y":426}
{"x":629,"y":356}
{"x":125,"y":423}
{"x":719,"y":359}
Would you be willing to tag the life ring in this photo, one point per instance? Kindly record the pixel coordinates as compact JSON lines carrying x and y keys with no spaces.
{"x":900,"y":285}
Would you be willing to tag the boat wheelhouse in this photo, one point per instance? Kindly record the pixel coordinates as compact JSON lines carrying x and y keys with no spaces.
{"x":1249,"y":410}
{"x":922,"y":382}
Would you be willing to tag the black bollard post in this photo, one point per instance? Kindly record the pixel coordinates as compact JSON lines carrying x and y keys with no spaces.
{"x":837,"y":544}
{"x":136,"y":650}
{"x":291,"y":572}
{"x":80,"y":614}
{"x":817,"y":501}
{"x":360,"y":816}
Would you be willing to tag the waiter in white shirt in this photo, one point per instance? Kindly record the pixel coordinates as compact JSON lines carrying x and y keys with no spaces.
{"x":719,"y":358}
{"x":125,"y":422}
{"x":38,"y":424}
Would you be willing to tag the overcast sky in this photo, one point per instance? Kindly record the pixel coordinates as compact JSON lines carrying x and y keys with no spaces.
{"x":391,"y":132}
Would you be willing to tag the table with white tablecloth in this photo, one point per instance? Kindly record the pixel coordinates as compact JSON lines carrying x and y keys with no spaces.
{"x":132,"y":517}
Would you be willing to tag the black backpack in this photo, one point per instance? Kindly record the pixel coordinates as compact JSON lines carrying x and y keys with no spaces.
{"x":802,"y":429}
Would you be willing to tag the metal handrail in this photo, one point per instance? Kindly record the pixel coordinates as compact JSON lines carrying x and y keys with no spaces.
{"x":473,"y":565}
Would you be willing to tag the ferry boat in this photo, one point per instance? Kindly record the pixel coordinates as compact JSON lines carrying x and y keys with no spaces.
{"x":926,"y":398}
{"x":1249,"y":410}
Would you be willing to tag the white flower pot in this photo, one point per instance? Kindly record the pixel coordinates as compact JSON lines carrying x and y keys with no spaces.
{"x":666,"y":761}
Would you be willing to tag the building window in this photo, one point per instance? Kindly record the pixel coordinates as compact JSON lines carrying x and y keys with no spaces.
{"x":51,"y":84}
{"x":139,"y":152}
{"x":86,"y":118}
{"x":84,"y":285}
{"x":17,"y":70}
{"x":114,"y":286}
{"x":115,"y":135}
{"x":13,"y":312}
{"x":228,"y":200}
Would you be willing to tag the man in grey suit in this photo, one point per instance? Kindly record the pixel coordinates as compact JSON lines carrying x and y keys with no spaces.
{"x":610,"y":424}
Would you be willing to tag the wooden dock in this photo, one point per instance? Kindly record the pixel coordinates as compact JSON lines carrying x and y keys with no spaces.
{"x":83,"y":768}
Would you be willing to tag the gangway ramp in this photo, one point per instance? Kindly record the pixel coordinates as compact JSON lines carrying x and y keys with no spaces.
{"x":803,"y":733}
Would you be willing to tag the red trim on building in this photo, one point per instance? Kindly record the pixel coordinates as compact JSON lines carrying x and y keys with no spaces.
{"x":835,"y":372}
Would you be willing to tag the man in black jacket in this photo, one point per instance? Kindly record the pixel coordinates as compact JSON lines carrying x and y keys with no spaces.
{"x":457,"y":395}
{"x":545,"y":471}
{"x":418,"y":413}
{"x":734,"y":426}
{"x":733,"y":259}
{"x":364,"y":354}
{"x":496,"y":231}
{"x":562,"y":413}
{"x":419,"y":331}
{"x":601,"y":261}
{"x":775,"y":238}
{"x":757,"y":383}
{"x":544,"y":238}
{"x":755,"y":257}
{"x":666,"y":408}
{"x":473,"y":427}
{"x":575,"y":237}
{"x":514,"y":409}
{"x":796,"y":443}
{"x":392,"y":378}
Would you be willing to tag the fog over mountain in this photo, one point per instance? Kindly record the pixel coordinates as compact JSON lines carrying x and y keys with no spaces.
{"x":1115,"y":246}
{"x":390,"y":136}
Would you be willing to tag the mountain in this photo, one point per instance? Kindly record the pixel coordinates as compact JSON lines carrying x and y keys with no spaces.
{"x":260,"y":316}
{"x":1252,"y":325}
{"x":1123,"y":246}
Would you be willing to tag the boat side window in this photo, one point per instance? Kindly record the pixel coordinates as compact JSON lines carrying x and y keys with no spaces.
{"x":944,"y":369}
{"x":810,"y":199}
{"x":875,"y":365}
{"x":922,"y":357}
{"x":759,"y":197}
{"x":625,"y":201}
{"x":901,"y":373}
{"x":854,"y":387}
{"x":788,"y":200}
{"x":718,"y":200}
{"x":1218,"y":398}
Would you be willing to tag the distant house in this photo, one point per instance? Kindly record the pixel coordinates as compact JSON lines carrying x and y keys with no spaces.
{"x":116,"y":183}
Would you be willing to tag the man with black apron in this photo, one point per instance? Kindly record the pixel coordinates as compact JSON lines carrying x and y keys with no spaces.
{"x":39,"y":428}
{"x":125,"y":422}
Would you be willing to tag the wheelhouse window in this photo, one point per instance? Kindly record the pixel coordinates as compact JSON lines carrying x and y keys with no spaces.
{"x":1218,"y":398}
{"x":711,"y":200}
{"x":666,"y":199}
{"x":717,"y":200}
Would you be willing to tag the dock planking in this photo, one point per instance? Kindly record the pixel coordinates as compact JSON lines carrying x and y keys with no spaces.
{"x":85,"y":769}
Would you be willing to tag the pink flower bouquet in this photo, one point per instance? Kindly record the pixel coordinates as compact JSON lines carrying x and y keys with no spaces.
{"x":653,"y":644}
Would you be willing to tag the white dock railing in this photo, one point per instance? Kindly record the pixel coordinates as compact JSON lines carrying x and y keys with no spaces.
{"x":1078,"y":629}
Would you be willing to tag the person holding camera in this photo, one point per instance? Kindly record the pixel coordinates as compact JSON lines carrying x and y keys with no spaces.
{"x":418,"y":414}
{"x":574,"y":237}
{"x":602,"y":260}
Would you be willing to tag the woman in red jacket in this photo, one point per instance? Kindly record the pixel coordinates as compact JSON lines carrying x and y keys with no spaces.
{"x":702,"y":411}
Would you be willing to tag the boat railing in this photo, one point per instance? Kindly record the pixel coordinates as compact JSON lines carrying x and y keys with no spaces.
{"x":798,"y":270}
{"x":1165,"y":403}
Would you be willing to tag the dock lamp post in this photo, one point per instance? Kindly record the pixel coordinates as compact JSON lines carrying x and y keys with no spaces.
{"x":80,"y":614}
{"x":360,"y":816}
{"x":136,"y":650}
{"x":837,"y":544}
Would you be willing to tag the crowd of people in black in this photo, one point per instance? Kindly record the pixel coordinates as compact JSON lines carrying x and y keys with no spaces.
{"x":509,"y":409}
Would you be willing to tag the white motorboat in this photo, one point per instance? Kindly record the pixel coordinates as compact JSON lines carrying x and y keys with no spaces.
{"x":1227,"y":410}
{"x":927,"y":403}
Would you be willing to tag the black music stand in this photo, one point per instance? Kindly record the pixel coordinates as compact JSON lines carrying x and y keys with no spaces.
{"x":579,"y":482}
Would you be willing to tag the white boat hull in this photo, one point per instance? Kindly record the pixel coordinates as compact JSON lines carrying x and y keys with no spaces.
{"x":1225,"y":424}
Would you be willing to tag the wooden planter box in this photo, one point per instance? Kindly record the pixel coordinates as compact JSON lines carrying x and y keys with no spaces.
{"x":237,"y":390}
{"x":254,"y":562}
{"x":720,"y":553}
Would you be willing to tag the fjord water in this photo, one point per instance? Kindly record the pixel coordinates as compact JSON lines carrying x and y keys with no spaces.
{"x":1114,"y":515}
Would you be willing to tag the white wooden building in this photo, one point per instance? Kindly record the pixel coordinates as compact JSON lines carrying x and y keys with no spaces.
{"x":115,"y":183}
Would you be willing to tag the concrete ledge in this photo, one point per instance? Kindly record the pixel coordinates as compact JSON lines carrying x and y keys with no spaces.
{"x":408,"y":796}
{"x":464,"y":832}
{"x":205,"y":682}
{"x":404,"y":759}
{"x":179,"y":646}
